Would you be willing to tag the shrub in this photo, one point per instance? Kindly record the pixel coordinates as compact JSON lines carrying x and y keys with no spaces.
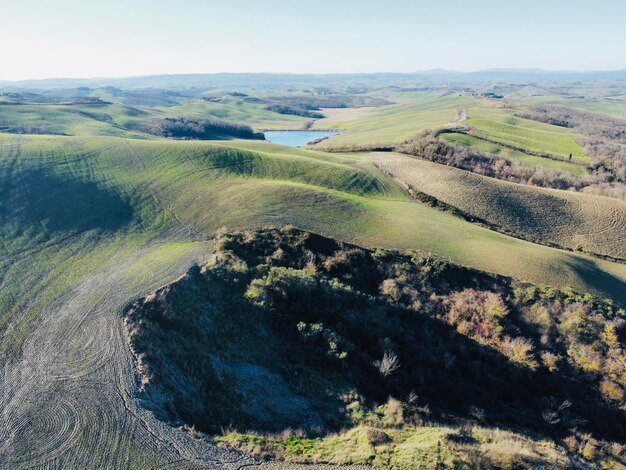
{"x":518,"y":350}
{"x":586,"y":357}
{"x":476,"y":313}
{"x":612,"y":391}
{"x":494,"y":306}
{"x":394,"y":413}
{"x":550,"y":361}
{"x":389,"y":288}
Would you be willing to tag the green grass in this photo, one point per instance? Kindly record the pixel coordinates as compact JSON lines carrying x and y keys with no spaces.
{"x":404,"y":448}
{"x":150,"y":187}
{"x":83,"y":119}
{"x":569,"y":219}
{"x":88,"y":224}
{"x":419,"y":111}
{"x":610,"y":106}
{"x":118,"y":120}
{"x":235,"y":109}
{"x":506,"y":153}
{"x":391,"y":123}
{"x":502,"y":126}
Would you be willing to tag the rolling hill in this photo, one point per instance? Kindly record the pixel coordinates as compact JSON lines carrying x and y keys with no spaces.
{"x":91,"y":222}
{"x":385,"y":125}
{"x":568,"y":219}
{"x":503,"y":127}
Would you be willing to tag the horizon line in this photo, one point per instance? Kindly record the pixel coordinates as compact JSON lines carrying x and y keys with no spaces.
{"x":417,"y":72}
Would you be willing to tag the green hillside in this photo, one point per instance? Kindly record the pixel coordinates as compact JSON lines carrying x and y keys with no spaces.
{"x":91,"y":223}
{"x":502,"y":126}
{"x":509,"y":154}
{"x":390,"y":124}
{"x":66,"y":192}
{"x":613,"y":106}
{"x":75,"y":119}
{"x":564,"y":218}
{"x":123,"y":121}
{"x":237,"y":110}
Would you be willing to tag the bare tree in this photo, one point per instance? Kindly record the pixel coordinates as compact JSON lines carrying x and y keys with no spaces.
{"x":552,"y":413}
{"x":388,"y":364}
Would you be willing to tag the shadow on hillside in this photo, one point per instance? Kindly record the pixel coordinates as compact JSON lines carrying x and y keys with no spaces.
{"x":187,"y":326}
{"x":34,"y":199}
{"x":599,"y":279}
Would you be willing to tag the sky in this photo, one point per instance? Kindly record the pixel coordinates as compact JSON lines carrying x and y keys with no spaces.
{"x":114,"y":38}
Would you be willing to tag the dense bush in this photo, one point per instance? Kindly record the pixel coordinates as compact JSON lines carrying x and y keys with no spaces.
{"x":351,"y":329}
{"x":352,"y":308}
{"x":285,"y":109}
{"x":202,"y":129}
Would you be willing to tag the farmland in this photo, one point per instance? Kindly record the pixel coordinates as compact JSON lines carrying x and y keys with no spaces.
{"x":507,"y":153}
{"x":502,"y":126}
{"x":390,"y":124}
{"x":95,"y":214}
{"x":611,"y":106}
{"x":575,"y":221}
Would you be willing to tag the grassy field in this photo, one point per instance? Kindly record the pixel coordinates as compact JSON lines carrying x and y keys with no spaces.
{"x":406,"y":448}
{"x":80,"y":119}
{"x":119,"y":120}
{"x":506,"y":153}
{"x":502,"y":126}
{"x":611,"y":106}
{"x":577,"y":221}
{"x":91,"y":223}
{"x":235,"y":109}
{"x":386,"y":125}
{"x":391,"y":123}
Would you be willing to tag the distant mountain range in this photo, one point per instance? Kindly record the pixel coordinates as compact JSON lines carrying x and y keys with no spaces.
{"x":272,"y":80}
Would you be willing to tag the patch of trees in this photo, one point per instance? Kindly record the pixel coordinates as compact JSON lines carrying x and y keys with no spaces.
{"x":253,"y":100}
{"x":291,"y":110}
{"x":386,"y":319}
{"x":445,"y":342}
{"x":492,"y":95}
{"x":202,"y":129}
{"x":604,"y":141}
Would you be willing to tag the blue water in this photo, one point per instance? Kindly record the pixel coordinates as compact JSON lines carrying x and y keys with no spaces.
{"x":296,"y":138}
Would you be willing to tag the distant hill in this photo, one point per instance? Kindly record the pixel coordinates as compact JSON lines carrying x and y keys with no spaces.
{"x":278,"y":80}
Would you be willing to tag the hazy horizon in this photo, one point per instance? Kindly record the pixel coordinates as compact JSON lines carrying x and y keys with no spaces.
{"x":70,"y":39}
{"x":382,"y":72}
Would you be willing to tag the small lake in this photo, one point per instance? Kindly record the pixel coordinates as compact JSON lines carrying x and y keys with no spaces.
{"x":297,"y":138}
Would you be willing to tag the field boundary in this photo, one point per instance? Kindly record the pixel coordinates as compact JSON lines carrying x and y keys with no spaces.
{"x":476,"y":134}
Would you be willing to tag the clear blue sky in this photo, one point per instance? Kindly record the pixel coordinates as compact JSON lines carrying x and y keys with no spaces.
{"x":88,"y":38}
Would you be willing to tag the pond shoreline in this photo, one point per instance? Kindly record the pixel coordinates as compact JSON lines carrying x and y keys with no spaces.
{"x":298,"y":138}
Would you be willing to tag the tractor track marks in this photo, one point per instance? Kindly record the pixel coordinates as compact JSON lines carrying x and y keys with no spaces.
{"x":71,"y":396}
